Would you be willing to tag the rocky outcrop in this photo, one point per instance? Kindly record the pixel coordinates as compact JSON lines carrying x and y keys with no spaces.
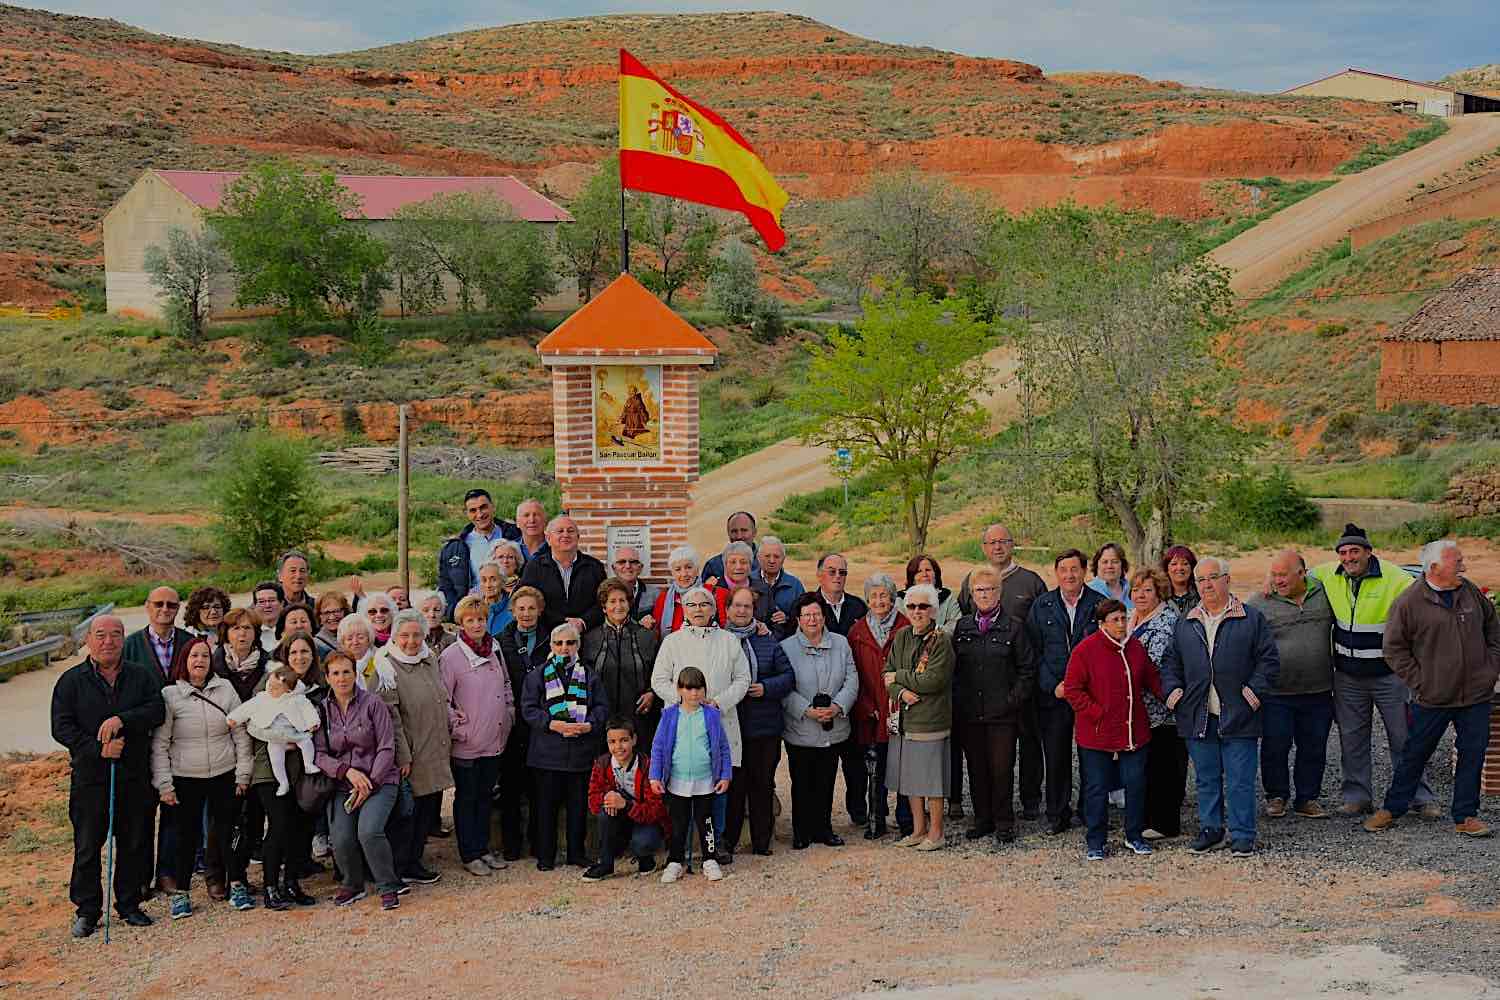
{"x":1474,"y":493}
{"x":521,"y":420}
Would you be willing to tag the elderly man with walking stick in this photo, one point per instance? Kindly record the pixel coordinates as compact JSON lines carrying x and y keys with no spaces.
{"x":103,"y":711}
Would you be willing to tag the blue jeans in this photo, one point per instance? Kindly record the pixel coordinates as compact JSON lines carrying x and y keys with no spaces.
{"x":620,"y":832}
{"x":1471,"y":732}
{"x":1225,"y":775}
{"x":359,"y":837}
{"x":1303,"y":720}
{"x":473,"y":796}
{"x":1101,"y":771}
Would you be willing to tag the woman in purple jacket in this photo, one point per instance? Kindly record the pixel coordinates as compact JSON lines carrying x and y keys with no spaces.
{"x":357,"y":746}
{"x":481,"y":712}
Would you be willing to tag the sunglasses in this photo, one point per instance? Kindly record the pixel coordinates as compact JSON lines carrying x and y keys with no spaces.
{"x":564,"y":642}
{"x":627,"y":562}
{"x":919,"y":607}
{"x":174,"y":605}
{"x":837,"y":572}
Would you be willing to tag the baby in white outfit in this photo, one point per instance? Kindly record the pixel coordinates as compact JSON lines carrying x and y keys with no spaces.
{"x":280,"y":717}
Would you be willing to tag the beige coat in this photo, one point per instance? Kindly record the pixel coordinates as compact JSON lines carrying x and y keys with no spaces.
{"x":722,"y":659}
{"x":419,"y":713}
{"x":195,"y":741}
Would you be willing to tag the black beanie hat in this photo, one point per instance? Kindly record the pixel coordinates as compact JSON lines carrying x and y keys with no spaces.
{"x":1353,"y":535}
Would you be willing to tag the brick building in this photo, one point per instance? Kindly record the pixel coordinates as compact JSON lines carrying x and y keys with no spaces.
{"x":1449,"y":350}
{"x":625,"y":371}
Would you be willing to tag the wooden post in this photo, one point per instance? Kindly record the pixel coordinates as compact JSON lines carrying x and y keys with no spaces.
{"x":403,"y":525}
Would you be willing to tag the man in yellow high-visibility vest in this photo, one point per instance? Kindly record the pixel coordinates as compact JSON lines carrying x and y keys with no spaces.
{"x":1361,"y":590}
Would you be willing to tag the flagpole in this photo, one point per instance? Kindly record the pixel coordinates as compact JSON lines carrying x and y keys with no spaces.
{"x":624,"y":229}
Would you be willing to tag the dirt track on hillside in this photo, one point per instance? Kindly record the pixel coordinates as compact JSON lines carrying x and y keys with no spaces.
{"x":1263,"y":256}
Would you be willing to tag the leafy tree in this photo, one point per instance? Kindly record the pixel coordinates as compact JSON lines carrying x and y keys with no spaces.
{"x":1121,"y":309}
{"x":474,"y":239}
{"x":911,"y":228}
{"x":269,"y":501}
{"x":182,"y":270}
{"x":590,"y":244}
{"x":734,"y":287}
{"x":296,"y":243}
{"x":681,"y":236}
{"x":901,"y":393}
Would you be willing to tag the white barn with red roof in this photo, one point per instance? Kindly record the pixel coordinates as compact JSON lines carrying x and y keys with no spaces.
{"x":162,"y":199}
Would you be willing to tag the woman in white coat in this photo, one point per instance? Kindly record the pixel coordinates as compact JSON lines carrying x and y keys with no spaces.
{"x":701,"y":643}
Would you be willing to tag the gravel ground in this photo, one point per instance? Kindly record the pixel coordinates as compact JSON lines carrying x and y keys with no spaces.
{"x":1390,"y":912}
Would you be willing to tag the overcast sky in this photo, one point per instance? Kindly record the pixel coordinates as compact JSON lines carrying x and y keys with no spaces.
{"x":1260,"y":45}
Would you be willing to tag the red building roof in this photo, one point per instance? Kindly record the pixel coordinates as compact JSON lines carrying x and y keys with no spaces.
{"x":625,"y":320}
{"x":381,"y":196}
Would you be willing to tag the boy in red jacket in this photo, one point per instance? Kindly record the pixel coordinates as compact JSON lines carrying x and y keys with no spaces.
{"x":630,"y":813}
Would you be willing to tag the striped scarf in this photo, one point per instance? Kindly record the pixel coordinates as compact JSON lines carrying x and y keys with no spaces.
{"x":566,"y":702}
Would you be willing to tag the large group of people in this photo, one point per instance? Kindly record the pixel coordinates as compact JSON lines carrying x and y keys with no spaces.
{"x":301,"y":731}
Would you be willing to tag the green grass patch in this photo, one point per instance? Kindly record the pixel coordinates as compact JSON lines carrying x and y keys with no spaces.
{"x":1275,"y":195}
{"x":1377,"y":153}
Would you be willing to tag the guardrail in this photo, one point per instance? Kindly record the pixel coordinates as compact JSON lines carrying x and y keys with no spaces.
{"x":26,"y":651}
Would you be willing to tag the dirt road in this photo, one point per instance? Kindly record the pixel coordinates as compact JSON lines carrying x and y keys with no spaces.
{"x":761,"y":481}
{"x":1263,"y":256}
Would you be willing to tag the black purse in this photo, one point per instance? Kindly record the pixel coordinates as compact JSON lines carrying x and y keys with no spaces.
{"x":314,"y":788}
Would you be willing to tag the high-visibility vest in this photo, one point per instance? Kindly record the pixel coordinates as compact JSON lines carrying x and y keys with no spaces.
{"x":1359,"y":623}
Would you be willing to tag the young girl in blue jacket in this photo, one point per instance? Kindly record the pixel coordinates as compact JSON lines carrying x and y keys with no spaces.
{"x":690,"y":764}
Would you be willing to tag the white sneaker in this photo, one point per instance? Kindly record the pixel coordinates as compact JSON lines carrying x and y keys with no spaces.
{"x":478,"y":867}
{"x":321,"y":848}
{"x":495,"y":861}
{"x":1117,"y":798}
{"x":712,"y":871}
{"x":674,"y":872}
{"x":282,"y":789}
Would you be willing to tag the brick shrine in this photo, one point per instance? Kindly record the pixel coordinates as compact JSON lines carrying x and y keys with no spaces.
{"x":625,"y":371}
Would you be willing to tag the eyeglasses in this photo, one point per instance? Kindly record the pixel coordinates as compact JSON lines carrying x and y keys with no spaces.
{"x":1211,"y":576}
{"x":627,"y":562}
{"x":174,"y":605}
{"x":836,"y":572}
{"x":697,"y":604}
{"x":331,"y":614}
{"x":984,"y":590}
{"x":266,"y":602}
{"x":564,"y":642}
{"x":1000,"y":541}
{"x":919,"y":607}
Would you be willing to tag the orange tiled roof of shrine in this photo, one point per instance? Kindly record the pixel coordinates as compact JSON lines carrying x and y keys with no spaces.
{"x":625,"y":319}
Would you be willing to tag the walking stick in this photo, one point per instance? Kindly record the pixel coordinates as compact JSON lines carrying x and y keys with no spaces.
{"x":109,"y":839}
{"x":871,"y":764}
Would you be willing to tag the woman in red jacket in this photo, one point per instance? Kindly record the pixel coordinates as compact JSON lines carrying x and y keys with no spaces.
{"x":870,"y":641}
{"x":1107,"y":675}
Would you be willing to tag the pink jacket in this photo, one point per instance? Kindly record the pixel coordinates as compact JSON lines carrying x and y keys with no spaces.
{"x":481,"y":705}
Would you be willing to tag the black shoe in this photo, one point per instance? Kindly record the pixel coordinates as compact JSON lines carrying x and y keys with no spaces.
{"x":136,"y":918}
{"x":832,"y":840}
{"x":859,"y":819}
{"x":762,"y":852}
{"x":578,"y":862}
{"x":800,"y":843}
{"x":292,"y":891}
{"x":1207,"y":840}
{"x":978,"y":832}
{"x":84,"y":926}
{"x":1059,"y":825}
{"x":1031,"y":812}
{"x":645,"y":866}
{"x":545,"y":866}
{"x":423,"y":876}
{"x":724,"y":857}
{"x":870,"y":834}
{"x":272,"y":899}
{"x":905,"y":832}
{"x":511,"y":855}
{"x":1005,"y":836}
{"x":599,"y":872}
{"x":438,"y":834}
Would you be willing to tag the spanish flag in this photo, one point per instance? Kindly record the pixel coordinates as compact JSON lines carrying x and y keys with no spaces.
{"x":672,"y":145}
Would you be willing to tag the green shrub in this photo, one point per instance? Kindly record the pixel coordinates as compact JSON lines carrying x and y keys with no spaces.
{"x":269,"y":501}
{"x":1272,"y":503}
{"x":768,"y":323}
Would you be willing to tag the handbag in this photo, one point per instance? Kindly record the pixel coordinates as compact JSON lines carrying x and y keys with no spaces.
{"x":314,"y":788}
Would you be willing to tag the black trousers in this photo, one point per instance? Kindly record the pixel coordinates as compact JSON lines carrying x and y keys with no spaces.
{"x":991,"y":750}
{"x":1031,"y":756}
{"x":851,"y":755}
{"x":813,"y":770}
{"x":517,"y":783}
{"x":1166,"y":780}
{"x":88,"y":810}
{"x":690,"y":812}
{"x":249,"y":834}
{"x":1056,"y":731}
{"x":569,"y":789}
{"x":193,"y":794}
{"x":753,"y":789}
{"x":287,"y":847}
{"x":408,"y":850}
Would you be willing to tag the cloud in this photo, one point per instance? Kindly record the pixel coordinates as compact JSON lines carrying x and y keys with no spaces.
{"x":1259,"y":45}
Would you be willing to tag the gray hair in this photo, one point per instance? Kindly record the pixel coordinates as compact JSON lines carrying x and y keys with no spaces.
{"x":739,"y":549}
{"x":379,"y":597}
{"x":557,"y":521}
{"x":562,"y":630}
{"x":923,"y":590}
{"x":769,"y":540}
{"x":1432,"y":552}
{"x":681,"y":554}
{"x":357,"y":622}
{"x":505,"y":543}
{"x":698,"y":590}
{"x":1218,"y":561}
{"x":530,"y":500}
{"x":292,"y":554}
{"x":407,"y":616}
{"x":880,"y":581}
{"x":437,"y":595}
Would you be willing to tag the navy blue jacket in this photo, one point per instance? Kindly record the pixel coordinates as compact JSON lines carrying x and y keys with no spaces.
{"x":760,"y":717}
{"x":1052,"y":641}
{"x":454,"y":576}
{"x":1244,"y":656}
{"x":549,"y":751}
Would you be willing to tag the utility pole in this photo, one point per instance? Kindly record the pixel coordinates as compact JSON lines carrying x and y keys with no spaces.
{"x":403,"y":522}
